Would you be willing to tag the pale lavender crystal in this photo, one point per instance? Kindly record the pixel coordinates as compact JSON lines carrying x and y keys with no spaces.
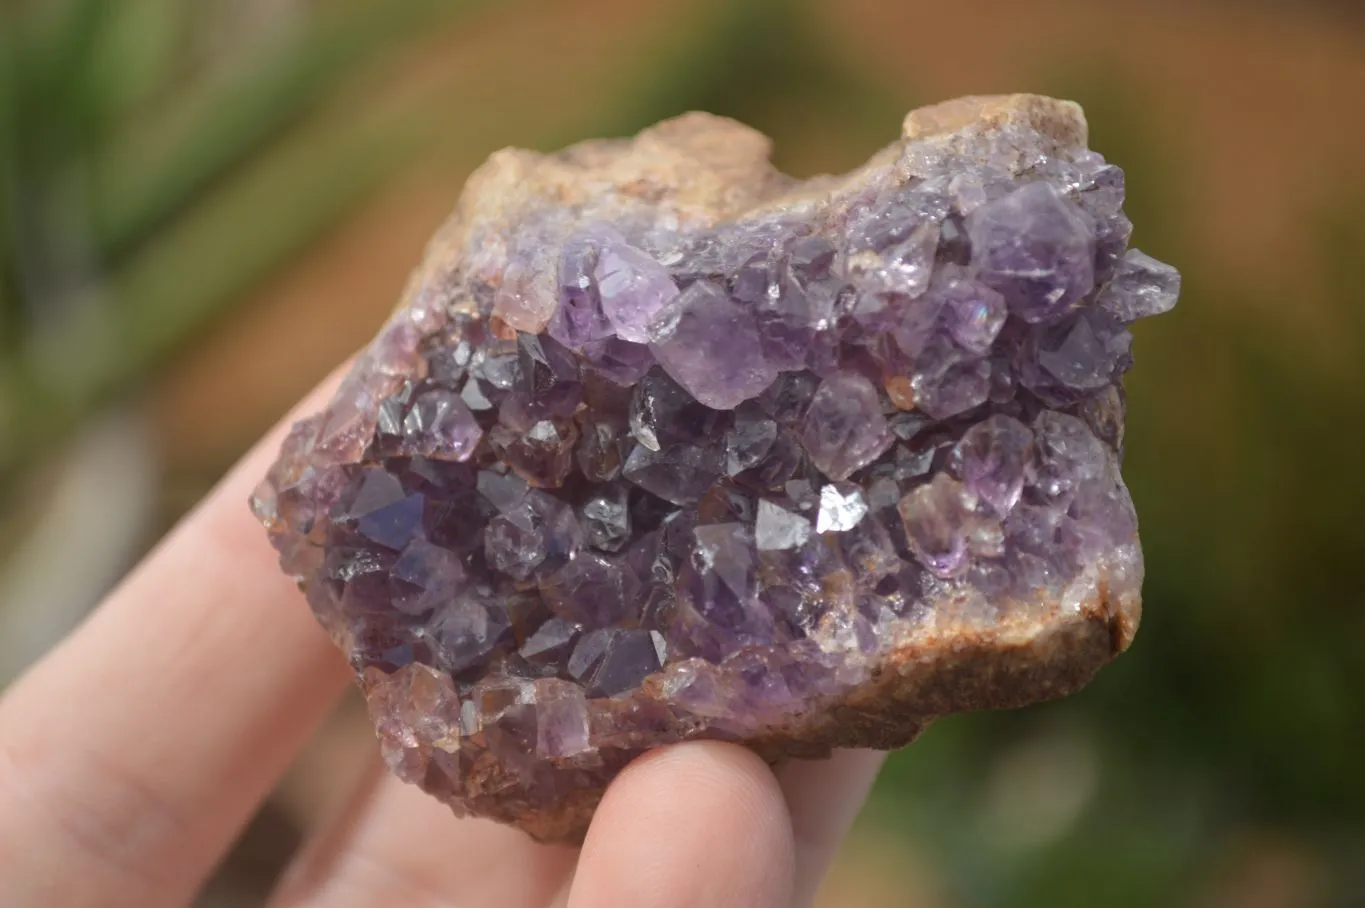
{"x":973,"y":313}
{"x":562,"y":728}
{"x":709,"y":343}
{"x":903,"y":267}
{"x":605,"y":517}
{"x":777,"y":528}
{"x":1081,"y":353}
{"x":993,"y":459}
{"x":844,"y":429}
{"x":1141,"y":287}
{"x":466,"y":630}
{"x":1069,"y":456}
{"x":592,"y":590}
{"x":424,"y":575}
{"x":842,"y":507}
{"x":795,"y":303}
{"x":537,"y":532}
{"x":936,"y":519}
{"x":864,"y":542}
{"x":438,"y":424}
{"x":657,"y":451}
{"x":634,"y":287}
{"x":947,"y":381}
{"x":1036,"y":248}
{"x":681,"y":474}
{"x":627,"y":657}
{"x":579,"y":318}
{"x":384,"y":512}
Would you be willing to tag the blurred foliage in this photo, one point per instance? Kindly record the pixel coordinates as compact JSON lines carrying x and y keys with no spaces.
{"x":138,"y":163}
{"x":137,"y":175}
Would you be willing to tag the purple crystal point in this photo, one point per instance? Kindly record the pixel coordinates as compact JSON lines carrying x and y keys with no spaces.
{"x":663,"y":447}
{"x":936,"y":517}
{"x":606,"y":518}
{"x":1069,"y":456}
{"x":777,"y":528}
{"x":974,"y":313}
{"x":423,"y":575}
{"x":384,"y":513}
{"x":634,"y":288}
{"x":709,"y":343}
{"x":842,"y":507}
{"x":466,"y":630}
{"x":628,"y":657}
{"x":1036,"y":248}
{"x":680,"y":475}
{"x":1141,"y":287}
{"x":993,"y":458}
{"x":719,"y":606}
{"x":551,"y":643}
{"x":579,"y":319}
{"x":947,"y":381}
{"x":844,"y":429}
{"x":562,"y":718}
{"x":592,"y":590}
{"x":439,"y":425}
{"x":618,"y":361}
{"x":749,"y":440}
{"x":1081,"y":353}
{"x":537,"y":530}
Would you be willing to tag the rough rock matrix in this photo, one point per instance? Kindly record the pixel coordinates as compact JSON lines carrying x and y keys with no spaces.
{"x":662,"y":444}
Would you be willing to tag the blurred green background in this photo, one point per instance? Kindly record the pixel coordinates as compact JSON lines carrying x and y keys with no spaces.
{"x":204,"y":206}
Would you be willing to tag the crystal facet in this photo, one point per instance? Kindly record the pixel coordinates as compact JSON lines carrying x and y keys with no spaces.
{"x":708,"y":341}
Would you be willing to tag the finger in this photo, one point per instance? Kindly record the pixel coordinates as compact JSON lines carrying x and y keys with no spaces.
{"x":134,"y":752}
{"x":701,"y":823}
{"x":824,"y":797}
{"x":391,"y":844}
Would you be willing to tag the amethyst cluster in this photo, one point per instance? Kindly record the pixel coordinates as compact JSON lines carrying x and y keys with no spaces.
{"x":664,"y":445}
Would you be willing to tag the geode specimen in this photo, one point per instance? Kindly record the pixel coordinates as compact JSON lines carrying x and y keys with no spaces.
{"x":662,"y":444}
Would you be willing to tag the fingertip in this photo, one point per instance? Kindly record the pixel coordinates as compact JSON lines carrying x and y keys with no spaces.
{"x":701,"y":823}
{"x":824,"y":797}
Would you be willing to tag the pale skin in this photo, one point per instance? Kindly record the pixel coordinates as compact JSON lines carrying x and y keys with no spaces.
{"x":133,"y":754}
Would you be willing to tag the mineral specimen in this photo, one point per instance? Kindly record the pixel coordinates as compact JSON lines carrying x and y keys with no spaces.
{"x":662,"y":444}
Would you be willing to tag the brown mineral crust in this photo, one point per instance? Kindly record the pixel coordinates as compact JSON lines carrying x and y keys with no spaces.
{"x":973,"y":115}
{"x":951,"y":671}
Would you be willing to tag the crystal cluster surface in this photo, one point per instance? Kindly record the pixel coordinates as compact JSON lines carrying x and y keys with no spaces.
{"x":662,"y":444}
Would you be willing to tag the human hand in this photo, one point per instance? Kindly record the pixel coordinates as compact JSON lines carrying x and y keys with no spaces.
{"x":134,"y":753}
